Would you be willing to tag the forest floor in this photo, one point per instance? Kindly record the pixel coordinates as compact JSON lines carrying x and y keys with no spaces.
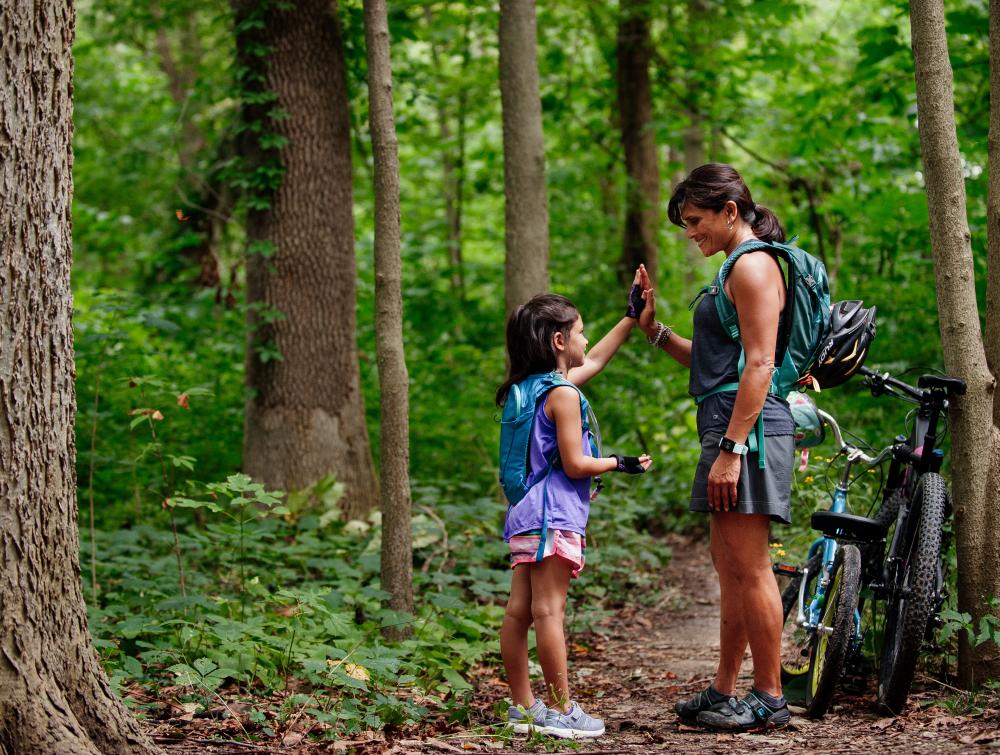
{"x":631,"y":675}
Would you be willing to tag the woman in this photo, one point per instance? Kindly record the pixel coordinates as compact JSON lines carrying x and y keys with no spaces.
{"x":715,"y":206}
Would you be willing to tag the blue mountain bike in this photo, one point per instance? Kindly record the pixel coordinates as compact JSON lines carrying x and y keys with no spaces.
{"x":893,"y":559}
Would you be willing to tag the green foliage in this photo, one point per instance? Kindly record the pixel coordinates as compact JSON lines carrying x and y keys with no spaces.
{"x":283,"y":599}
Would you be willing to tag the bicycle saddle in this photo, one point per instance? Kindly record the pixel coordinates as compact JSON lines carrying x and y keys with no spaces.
{"x":951,"y":385}
{"x":847,"y":526}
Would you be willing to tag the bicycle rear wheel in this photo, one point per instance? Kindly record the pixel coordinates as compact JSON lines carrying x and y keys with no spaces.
{"x":913,"y":593}
{"x":833,"y":639}
{"x":796,"y":642}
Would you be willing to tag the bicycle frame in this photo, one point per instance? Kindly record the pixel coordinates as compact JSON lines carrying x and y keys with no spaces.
{"x":811,"y":620}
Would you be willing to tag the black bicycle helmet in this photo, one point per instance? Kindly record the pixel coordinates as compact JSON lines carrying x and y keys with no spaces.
{"x":852,"y":329}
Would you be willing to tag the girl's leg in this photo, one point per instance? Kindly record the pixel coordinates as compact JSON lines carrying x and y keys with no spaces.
{"x":514,"y":636}
{"x":549,"y":585}
{"x":732,"y":634}
{"x":745,"y":558}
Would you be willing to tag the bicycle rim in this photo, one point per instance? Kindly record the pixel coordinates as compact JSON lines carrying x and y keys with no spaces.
{"x":832,"y":645}
{"x":796,"y":642}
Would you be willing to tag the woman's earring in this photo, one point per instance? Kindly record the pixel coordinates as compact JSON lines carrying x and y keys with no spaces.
{"x":730,"y":224}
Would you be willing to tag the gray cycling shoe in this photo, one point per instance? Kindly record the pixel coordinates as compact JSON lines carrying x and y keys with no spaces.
{"x":688,"y":710}
{"x":749,"y":714}
{"x":524,"y":721}
{"x":573,"y":725}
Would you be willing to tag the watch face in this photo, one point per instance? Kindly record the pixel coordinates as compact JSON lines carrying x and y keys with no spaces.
{"x":727,"y":445}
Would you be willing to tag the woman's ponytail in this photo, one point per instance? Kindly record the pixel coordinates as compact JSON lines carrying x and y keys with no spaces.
{"x":765,"y":224}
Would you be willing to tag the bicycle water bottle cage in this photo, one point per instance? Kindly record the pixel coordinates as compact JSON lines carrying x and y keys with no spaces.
{"x":952,"y":386}
{"x":848,"y":526}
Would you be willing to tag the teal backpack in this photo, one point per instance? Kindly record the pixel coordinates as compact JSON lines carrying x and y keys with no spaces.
{"x":516,"y":423}
{"x":806,"y":327}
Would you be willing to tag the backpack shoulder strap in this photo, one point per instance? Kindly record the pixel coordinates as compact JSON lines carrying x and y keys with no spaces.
{"x":551,"y":380}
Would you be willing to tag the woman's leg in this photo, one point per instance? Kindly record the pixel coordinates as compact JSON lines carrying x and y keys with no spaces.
{"x":744,"y":557}
{"x":549,"y":585}
{"x":514,"y":636}
{"x":732,"y":634}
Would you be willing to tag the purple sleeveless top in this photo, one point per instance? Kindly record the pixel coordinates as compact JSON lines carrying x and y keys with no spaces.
{"x":566,"y":500}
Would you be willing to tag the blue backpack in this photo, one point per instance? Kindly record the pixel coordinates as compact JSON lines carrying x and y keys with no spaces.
{"x":516,"y":424}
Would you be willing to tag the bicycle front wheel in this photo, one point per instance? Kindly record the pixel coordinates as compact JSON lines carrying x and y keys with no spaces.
{"x":912,"y":596}
{"x":837,"y":630}
{"x":796,"y":642}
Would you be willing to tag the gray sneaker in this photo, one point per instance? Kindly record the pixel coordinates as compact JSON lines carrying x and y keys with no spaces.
{"x":573,"y":725}
{"x":524,"y":721}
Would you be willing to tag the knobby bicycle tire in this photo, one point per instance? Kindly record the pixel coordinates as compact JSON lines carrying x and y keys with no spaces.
{"x":795,"y":641}
{"x":889,"y":509}
{"x":826,"y":662}
{"x":912,"y":598}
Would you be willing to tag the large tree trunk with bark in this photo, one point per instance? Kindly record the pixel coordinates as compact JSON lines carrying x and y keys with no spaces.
{"x":976,"y":520}
{"x":985,"y":661}
{"x":642,"y":175}
{"x":54,"y":695}
{"x":526,"y":212}
{"x":305,"y":415}
{"x":397,"y":537}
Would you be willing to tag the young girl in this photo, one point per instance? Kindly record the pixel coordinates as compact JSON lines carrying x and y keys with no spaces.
{"x":546,"y":335}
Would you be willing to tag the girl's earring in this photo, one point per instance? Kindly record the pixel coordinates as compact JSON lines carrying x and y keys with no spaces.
{"x":730,"y":224}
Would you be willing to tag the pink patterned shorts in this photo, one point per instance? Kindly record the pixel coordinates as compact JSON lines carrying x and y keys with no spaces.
{"x":570,"y":546}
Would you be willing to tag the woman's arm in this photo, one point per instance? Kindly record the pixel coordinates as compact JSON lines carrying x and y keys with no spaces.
{"x":599,"y":356}
{"x":676,"y":346}
{"x":564,"y":408}
{"x":757,"y":290}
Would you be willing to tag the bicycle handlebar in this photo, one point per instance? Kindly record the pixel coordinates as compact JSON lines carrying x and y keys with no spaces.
{"x":880,"y":383}
{"x":853,"y":452}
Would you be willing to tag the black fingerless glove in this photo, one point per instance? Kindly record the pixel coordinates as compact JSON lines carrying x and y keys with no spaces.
{"x":635,"y":302}
{"x":628,"y":464}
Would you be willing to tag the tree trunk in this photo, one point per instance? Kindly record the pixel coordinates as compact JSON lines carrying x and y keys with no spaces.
{"x":642,"y":176}
{"x":54,"y":695}
{"x":699,"y":23}
{"x":985,"y":661}
{"x":305,"y":415}
{"x":976,"y":524}
{"x":397,"y":538}
{"x":526,"y":212}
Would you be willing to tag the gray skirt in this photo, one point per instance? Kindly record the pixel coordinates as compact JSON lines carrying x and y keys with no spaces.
{"x":760,"y":491}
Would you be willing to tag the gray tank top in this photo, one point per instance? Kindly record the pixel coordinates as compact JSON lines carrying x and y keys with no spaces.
{"x":715,"y":361}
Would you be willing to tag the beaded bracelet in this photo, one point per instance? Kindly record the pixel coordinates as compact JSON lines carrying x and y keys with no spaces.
{"x":662,"y":337}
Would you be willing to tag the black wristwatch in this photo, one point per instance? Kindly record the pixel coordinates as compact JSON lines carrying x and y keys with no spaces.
{"x":727,"y":444}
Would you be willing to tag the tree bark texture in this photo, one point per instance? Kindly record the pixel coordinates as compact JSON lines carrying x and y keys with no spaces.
{"x":642,"y":175}
{"x":985,"y":660}
{"x":977,"y":525}
{"x":397,"y":537}
{"x":526,"y":212}
{"x":992,"y":339}
{"x":305,"y":416}
{"x":54,"y":695}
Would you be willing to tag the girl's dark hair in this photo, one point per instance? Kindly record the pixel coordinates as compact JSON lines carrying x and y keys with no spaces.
{"x":710,"y":187}
{"x":529,"y":337}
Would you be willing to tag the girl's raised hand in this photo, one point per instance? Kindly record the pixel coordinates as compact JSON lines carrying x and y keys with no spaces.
{"x":636,"y":302}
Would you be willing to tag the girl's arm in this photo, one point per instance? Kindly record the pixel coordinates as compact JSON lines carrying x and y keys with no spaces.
{"x":564,"y":408}
{"x":599,"y":356}
{"x":757,"y":290}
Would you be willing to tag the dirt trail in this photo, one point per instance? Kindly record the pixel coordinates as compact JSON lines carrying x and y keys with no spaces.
{"x":653,"y":656}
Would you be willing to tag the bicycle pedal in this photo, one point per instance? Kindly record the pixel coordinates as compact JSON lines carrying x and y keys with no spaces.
{"x":787,"y":570}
